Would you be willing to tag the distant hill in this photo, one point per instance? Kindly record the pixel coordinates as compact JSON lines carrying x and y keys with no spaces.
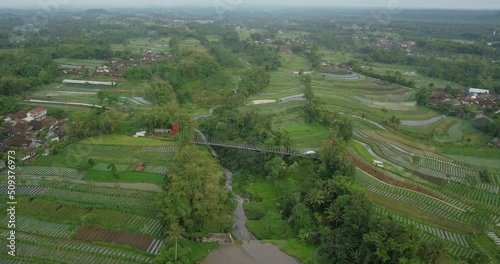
{"x":95,"y":12}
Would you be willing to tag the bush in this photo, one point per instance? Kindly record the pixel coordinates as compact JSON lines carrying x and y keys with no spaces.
{"x":254,"y":212}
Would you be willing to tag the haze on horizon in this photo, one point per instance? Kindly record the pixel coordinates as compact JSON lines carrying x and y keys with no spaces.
{"x":421,"y":4}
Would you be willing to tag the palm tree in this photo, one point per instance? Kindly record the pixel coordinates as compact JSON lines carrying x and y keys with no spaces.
{"x":176,"y":232}
{"x":112,"y":167}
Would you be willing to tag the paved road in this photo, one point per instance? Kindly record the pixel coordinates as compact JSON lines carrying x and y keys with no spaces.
{"x":250,"y":252}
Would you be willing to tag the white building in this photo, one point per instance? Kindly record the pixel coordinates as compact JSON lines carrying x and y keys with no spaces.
{"x":38,"y":114}
{"x":80,"y":82}
{"x":478,"y":91}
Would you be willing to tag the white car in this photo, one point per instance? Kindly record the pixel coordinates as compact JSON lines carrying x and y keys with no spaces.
{"x":309,"y":152}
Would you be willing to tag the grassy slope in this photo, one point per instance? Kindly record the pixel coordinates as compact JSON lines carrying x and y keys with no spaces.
{"x":125,"y":140}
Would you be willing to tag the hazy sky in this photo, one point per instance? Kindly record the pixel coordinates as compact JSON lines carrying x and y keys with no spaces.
{"x":448,"y":4}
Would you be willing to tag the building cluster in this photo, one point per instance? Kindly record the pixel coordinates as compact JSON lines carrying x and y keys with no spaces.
{"x":480,"y":98}
{"x":286,"y":45}
{"x":30,"y":132}
{"x":116,"y":67}
{"x":408,"y":46}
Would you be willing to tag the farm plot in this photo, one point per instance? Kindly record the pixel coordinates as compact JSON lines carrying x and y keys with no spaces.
{"x":24,"y":190}
{"x":476,"y":161}
{"x":494,"y":237}
{"x":137,"y":204}
{"x":156,"y":169}
{"x":149,"y":226}
{"x":350,"y":76}
{"x":67,"y":251}
{"x":125,"y":199}
{"x":114,"y":154}
{"x":44,"y":228}
{"x":92,"y":234}
{"x":160,"y":149}
{"x":422,"y":122}
{"x":363,"y":100}
{"x":444,"y":234}
{"x":298,"y":97}
{"x":486,"y":197}
{"x":50,"y":171}
{"x":411,"y":198}
{"x":428,"y":166}
{"x":104,"y":167}
{"x":12,"y":260}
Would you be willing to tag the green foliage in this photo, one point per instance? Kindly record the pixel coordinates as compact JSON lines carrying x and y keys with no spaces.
{"x":57,"y":113}
{"x":160,"y":92}
{"x":194,"y":194}
{"x":95,"y":123}
{"x":253,"y":81}
{"x":422,"y":96}
{"x":138,"y":73}
{"x":335,"y":159}
{"x":254,"y":212}
{"x":8,"y":105}
{"x":390,"y":242}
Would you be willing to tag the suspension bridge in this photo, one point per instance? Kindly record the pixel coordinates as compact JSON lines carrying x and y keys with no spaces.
{"x":201,"y":139}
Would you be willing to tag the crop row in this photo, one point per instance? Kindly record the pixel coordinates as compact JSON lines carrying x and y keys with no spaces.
{"x":475,"y":194}
{"x":24,"y":190}
{"x":426,"y":165}
{"x":50,"y":171}
{"x":104,"y":167}
{"x":476,"y":161}
{"x":156,"y":169}
{"x":13,"y":260}
{"x":74,"y":252}
{"x":444,"y":234}
{"x":414,"y":199}
{"x":422,"y":122}
{"x":149,"y":226}
{"x":160,"y":149}
{"x":44,"y":228}
{"x":122,"y":199}
{"x":494,"y":237}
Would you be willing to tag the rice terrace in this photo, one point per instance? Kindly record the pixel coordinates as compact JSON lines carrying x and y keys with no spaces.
{"x":243,"y":133}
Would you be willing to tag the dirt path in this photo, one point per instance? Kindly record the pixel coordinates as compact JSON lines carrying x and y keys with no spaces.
{"x":125,"y":185}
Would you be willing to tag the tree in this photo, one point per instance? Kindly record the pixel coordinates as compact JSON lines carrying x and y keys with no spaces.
{"x":275,"y":168}
{"x":334,"y":159}
{"x":390,"y":242}
{"x":113,"y":169}
{"x":394,"y":121}
{"x":175,"y":233}
{"x":160,"y":92}
{"x":422,"y":96}
{"x":195,"y":197}
{"x":432,"y":250}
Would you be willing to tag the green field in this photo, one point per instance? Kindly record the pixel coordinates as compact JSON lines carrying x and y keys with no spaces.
{"x":125,"y":140}
{"x":125,"y":176}
{"x":80,"y":62}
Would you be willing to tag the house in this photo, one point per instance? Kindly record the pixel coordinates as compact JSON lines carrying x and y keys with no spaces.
{"x":16,"y":117}
{"x":37,"y":114}
{"x":478,"y":91}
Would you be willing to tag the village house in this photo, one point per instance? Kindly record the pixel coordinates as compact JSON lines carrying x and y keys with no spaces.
{"x":37,"y":114}
{"x":23,"y":130}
